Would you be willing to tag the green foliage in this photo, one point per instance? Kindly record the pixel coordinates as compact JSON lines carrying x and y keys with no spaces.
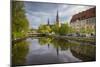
{"x":55,"y":29}
{"x":19,"y":21}
{"x":19,"y":52}
{"x":90,"y":30}
{"x":44,"y":29}
{"x":63,"y":44}
{"x":64,"y":29}
{"x":18,"y":34}
{"x":87,"y":30}
{"x":44,"y":40}
{"x":71,"y":30}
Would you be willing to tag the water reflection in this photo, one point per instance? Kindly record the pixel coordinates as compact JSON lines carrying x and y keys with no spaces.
{"x":19,"y":52}
{"x":84,"y":52}
{"x":61,"y":45}
{"x":44,"y":41}
{"x":44,"y":50}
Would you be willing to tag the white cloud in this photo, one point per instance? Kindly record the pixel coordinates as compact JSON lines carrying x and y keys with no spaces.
{"x":69,"y":12}
{"x":39,"y":14}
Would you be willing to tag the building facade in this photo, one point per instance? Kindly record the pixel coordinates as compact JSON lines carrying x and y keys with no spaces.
{"x":85,"y":20}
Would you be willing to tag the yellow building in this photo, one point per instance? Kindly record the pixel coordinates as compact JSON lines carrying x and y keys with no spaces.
{"x":85,"y":19}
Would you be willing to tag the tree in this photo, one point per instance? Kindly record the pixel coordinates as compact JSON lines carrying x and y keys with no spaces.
{"x":87,"y":30}
{"x":72,"y":30}
{"x":64,"y":29}
{"x":55,"y":29}
{"x":44,"y":29}
{"x":19,"y":21}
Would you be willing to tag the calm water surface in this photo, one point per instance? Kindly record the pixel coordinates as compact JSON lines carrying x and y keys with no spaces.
{"x":42,"y":50}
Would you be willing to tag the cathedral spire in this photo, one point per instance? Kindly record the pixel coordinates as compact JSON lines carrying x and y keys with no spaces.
{"x":48,"y":22}
{"x":57,"y":17}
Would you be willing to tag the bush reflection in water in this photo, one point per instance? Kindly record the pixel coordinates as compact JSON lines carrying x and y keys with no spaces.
{"x":19,"y":52}
{"x":85,"y":52}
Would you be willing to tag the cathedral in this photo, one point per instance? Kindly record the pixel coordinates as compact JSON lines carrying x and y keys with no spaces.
{"x":56,"y":22}
{"x":57,"y":19}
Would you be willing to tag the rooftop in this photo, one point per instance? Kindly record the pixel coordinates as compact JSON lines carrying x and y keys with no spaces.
{"x":84,"y":15}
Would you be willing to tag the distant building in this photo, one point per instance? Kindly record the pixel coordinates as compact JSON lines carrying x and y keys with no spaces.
{"x":57,"y":19}
{"x":48,"y":22}
{"x":85,"y":19}
{"x":56,"y":22}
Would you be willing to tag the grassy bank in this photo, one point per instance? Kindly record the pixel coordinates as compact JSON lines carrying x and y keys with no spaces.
{"x":80,"y":39}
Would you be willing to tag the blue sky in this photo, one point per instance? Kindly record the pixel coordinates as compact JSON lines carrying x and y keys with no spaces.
{"x":38,"y":13}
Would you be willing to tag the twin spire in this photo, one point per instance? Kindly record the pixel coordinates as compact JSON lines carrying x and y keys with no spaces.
{"x":57,"y":18}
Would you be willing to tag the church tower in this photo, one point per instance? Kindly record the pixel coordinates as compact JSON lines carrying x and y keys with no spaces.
{"x":57,"y":19}
{"x":48,"y":22}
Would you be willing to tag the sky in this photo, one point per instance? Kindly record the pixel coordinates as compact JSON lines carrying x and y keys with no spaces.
{"x":38,"y":13}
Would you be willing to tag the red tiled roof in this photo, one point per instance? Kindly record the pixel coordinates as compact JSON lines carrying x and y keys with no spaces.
{"x":84,"y":15}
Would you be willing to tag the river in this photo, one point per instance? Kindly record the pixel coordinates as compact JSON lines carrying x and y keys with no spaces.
{"x":44,"y":50}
